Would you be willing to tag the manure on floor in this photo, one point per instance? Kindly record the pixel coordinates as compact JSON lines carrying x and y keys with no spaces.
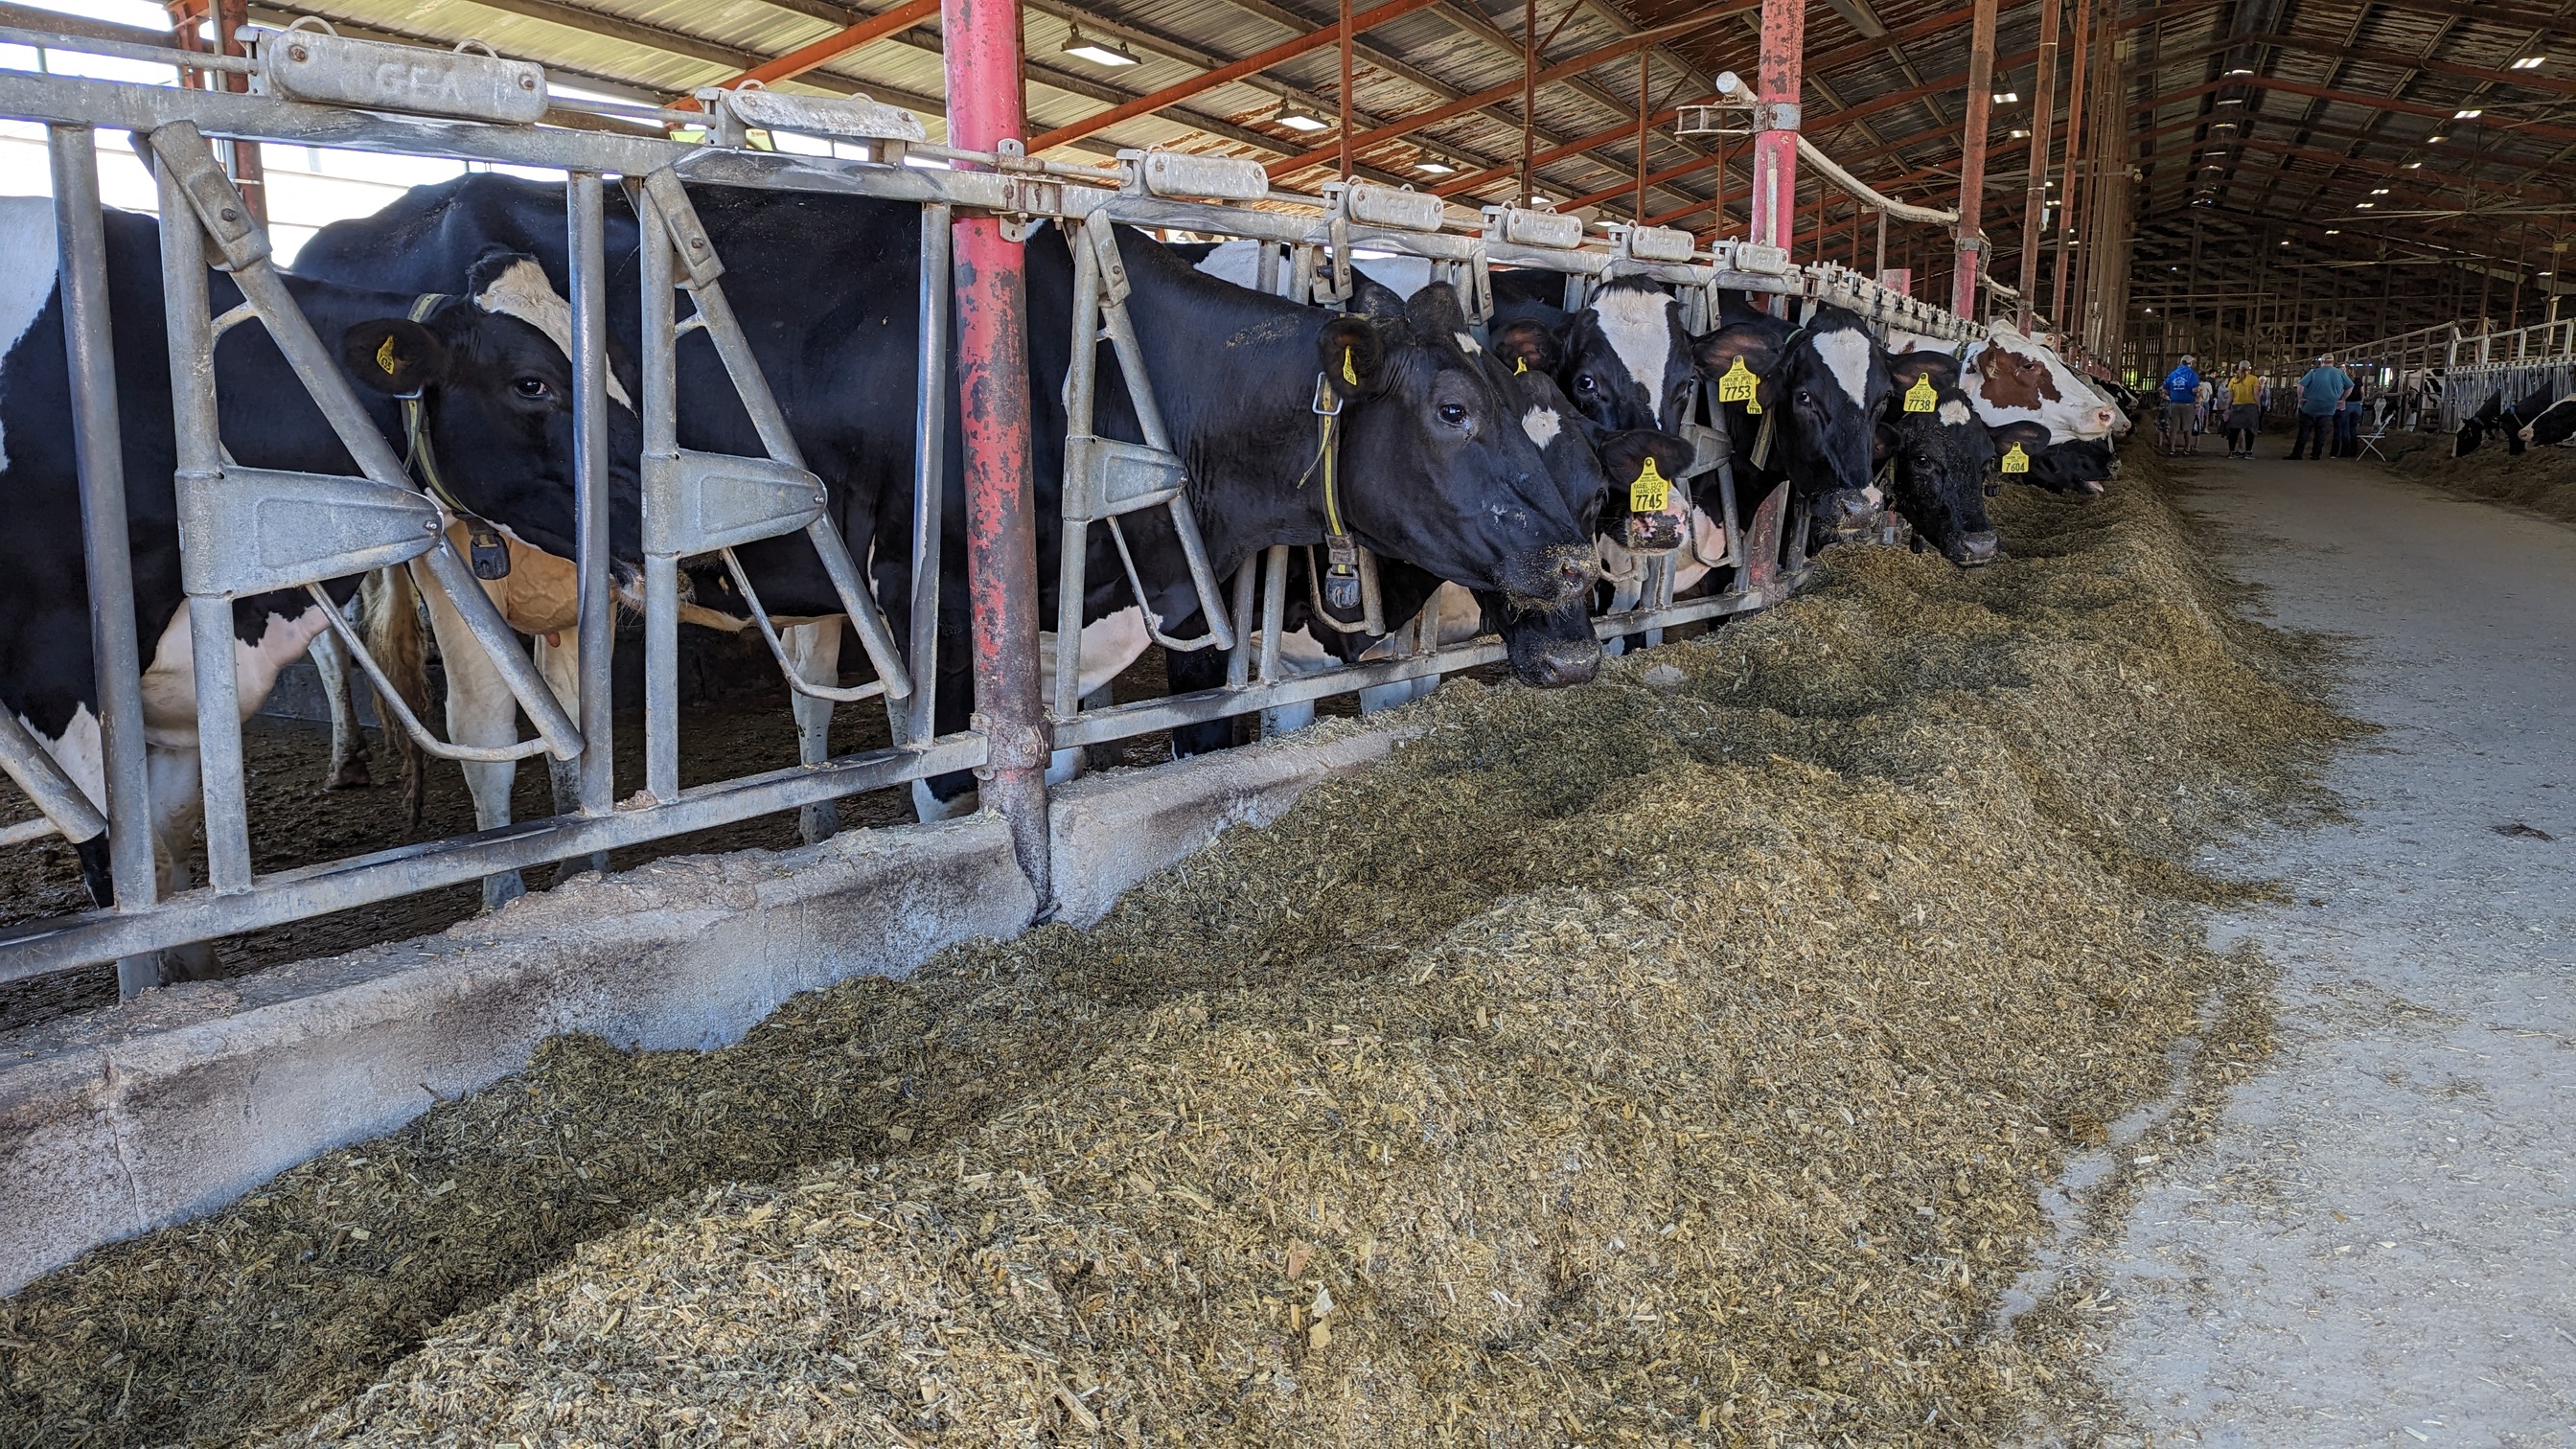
{"x":1673,"y":1060}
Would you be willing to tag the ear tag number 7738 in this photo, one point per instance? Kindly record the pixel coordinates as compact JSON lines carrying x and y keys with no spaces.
{"x":1919,"y":398}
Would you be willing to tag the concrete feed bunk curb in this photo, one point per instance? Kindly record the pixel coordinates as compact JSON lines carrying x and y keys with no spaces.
{"x":126,"y":1120}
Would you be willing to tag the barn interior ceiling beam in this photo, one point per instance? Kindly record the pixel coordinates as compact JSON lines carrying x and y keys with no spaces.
{"x":1560,"y":70}
{"x":831,"y":47}
{"x":1250,"y":65}
{"x":2350,"y":98}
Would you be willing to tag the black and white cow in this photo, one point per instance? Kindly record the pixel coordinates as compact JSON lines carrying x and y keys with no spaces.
{"x":1436,"y":474}
{"x":2511,"y":424}
{"x":497,"y":401}
{"x":1820,"y":389}
{"x":2555,"y":424}
{"x":1944,"y":457}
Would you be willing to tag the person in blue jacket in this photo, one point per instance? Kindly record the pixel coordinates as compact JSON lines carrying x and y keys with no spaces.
{"x":2182,"y":402}
{"x":2321,"y":393}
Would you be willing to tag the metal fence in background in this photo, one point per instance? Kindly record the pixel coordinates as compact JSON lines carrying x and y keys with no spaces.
{"x":246,"y":530}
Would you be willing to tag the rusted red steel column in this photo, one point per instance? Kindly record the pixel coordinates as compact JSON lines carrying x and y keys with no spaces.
{"x":1775,"y":119}
{"x":1972,"y":159}
{"x":2075,"y":98}
{"x":2043,"y":102}
{"x":982,"y":38}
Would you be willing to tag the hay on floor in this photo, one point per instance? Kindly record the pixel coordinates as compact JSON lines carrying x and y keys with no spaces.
{"x":1672,"y":1060}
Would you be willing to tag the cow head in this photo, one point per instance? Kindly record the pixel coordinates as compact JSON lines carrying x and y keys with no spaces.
{"x":2016,"y":378}
{"x":1943,"y":456}
{"x":1442,"y":471}
{"x":1625,"y":362}
{"x":2071,"y":470}
{"x":1823,"y":386}
{"x":498,"y":394}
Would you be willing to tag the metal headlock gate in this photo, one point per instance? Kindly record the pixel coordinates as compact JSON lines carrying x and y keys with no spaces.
{"x":2455,"y":369}
{"x":246,"y":530}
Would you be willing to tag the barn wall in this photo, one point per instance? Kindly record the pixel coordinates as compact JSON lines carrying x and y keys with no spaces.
{"x":155,"y":1112}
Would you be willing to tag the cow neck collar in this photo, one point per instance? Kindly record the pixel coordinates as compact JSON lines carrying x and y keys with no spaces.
{"x":489,"y":555}
{"x":1342,"y":587}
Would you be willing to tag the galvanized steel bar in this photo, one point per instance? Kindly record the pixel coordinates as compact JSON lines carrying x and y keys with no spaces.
{"x":929,"y":469}
{"x":189,"y":325}
{"x":660,"y":418}
{"x":596,"y":629}
{"x":34,"y":948}
{"x":97,"y":441}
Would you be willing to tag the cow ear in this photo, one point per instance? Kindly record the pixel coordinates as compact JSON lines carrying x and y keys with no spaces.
{"x":1624,"y":456}
{"x":1751,"y":343}
{"x":1374,"y":299}
{"x":2031,"y":436}
{"x":393,"y":355}
{"x":1905,"y":368}
{"x":1526,"y":344}
{"x":1352,"y":352}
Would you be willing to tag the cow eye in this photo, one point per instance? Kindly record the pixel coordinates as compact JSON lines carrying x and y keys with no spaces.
{"x":1454,"y":414}
{"x":1806,"y":397}
{"x":534,"y":389}
{"x":1583,"y":382}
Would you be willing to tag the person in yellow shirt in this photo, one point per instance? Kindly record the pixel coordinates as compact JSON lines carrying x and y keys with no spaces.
{"x":2244,"y":410}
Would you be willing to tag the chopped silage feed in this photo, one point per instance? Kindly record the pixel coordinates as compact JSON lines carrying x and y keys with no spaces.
{"x":1674,"y":1060}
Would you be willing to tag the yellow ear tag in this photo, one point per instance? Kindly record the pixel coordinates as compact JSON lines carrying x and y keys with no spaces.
{"x":385,"y":356}
{"x":1920,"y":398}
{"x":1519,"y":366}
{"x":2015,"y":460}
{"x":1350,"y":374}
{"x":1650,"y":492}
{"x":1737,"y":385}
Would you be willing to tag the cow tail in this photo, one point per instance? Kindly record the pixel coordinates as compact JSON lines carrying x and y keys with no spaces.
{"x":392,"y":608}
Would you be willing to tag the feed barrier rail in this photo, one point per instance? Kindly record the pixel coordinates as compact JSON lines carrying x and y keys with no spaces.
{"x":247,"y":530}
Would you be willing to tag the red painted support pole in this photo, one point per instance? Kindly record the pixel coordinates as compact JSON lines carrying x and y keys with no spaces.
{"x":1775,"y":119}
{"x":1972,"y":159}
{"x":984,"y":109}
{"x":2043,"y":108}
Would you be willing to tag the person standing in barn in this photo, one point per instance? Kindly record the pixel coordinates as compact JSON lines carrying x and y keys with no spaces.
{"x":2182,"y":402}
{"x":2244,"y":411}
{"x":2321,"y":391}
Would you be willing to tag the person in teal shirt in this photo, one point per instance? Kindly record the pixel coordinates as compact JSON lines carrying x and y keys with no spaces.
{"x":2321,"y":391}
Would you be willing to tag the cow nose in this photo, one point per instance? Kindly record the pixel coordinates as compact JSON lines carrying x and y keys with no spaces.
{"x":2102,"y":417}
{"x":2527,"y":436}
{"x":1570,"y":663}
{"x":1975,"y":549}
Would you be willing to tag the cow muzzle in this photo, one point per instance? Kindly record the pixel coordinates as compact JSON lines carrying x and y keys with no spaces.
{"x":1559,"y":574}
{"x":1972,"y":550}
{"x":1654,"y":532}
{"x":1845,"y":512}
{"x":1561,"y":664}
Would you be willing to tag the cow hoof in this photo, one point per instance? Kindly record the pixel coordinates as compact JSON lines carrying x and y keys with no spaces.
{"x":500,"y":890}
{"x":351,"y":776}
{"x":929,"y":809}
{"x":818,"y":823}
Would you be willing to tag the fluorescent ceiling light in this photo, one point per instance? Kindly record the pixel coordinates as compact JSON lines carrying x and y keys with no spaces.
{"x":2006,"y":98}
{"x":2379,"y":191}
{"x":1429,"y":167}
{"x":2435,"y":140}
{"x":2531,"y":62}
{"x":2414,"y":165}
{"x":2330,"y":231}
{"x":1098,"y":52}
{"x":2020,"y":135}
{"x":1297,"y":120}
{"x":2241,"y":70}
{"x":2469,"y":115}
{"x":2364,"y":205}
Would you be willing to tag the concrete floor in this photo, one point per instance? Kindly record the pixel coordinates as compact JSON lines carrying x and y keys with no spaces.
{"x":2381,"y":1248}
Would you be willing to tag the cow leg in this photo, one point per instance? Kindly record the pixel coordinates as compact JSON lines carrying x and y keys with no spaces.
{"x":348,"y":743}
{"x":559,"y":660}
{"x":480,"y":711}
{"x":814,"y":652}
{"x":178,"y":806}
